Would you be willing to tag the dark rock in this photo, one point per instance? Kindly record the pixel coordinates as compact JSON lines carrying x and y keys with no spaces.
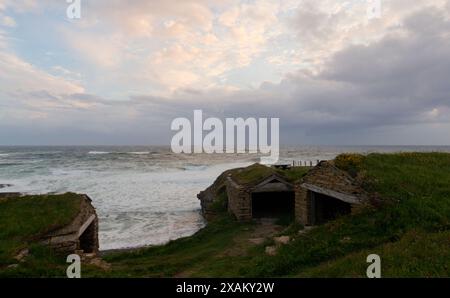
{"x":7,"y":195}
{"x":5,"y":185}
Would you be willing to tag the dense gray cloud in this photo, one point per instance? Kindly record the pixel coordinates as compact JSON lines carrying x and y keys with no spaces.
{"x":394,"y":90}
{"x":398,"y":82}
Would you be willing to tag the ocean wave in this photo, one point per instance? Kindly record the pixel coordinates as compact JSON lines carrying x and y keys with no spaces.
{"x":30,"y":154}
{"x":9,"y":164}
{"x":98,"y":152}
{"x":120,"y":153}
{"x":139,"y":152}
{"x":193,"y":167}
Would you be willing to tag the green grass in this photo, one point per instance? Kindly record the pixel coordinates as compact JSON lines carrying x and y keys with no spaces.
{"x":416,"y":254}
{"x":41,"y":262}
{"x":256,"y":172}
{"x":24,"y":219}
{"x":204,"y":254}
{"x":253,"y":174}
{"x":294,"y":174}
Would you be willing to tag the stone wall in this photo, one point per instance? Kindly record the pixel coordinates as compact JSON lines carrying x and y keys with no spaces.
{"x":302,"y":205}
{"x":327,"y":176}
{"x":207,"y":198}
{"x":67,"y":239}
{"x":210,"y":195}
{"x":239,"y":200}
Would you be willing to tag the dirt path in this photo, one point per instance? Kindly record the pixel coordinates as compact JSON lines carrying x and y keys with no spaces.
{"x":256,"y":235}
{"x":266,"y":228}
{"x":243,"y":241}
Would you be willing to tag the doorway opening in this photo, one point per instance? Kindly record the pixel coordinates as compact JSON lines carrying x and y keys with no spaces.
{"x":326,"y":208}
{"x":273,"y":204}
{"x":88,"y":239}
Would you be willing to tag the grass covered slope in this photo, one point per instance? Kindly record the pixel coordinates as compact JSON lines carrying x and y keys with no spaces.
{"x":416,"y":210}
{"x":416,"y":254}
{"x":217,"y":250}
{"x":409,"y":229}
{"x":25,"y":219}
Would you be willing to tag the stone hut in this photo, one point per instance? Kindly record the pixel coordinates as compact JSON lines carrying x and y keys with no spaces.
{"x":269,"y":197}
{"x":249,"y":193}
{"x":323,"y":194}
{"x":212,"y":194}
{"x":81,"y":235}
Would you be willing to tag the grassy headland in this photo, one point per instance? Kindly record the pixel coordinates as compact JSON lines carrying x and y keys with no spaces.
{"x":24,"y":219}
{"x":409,"y":229}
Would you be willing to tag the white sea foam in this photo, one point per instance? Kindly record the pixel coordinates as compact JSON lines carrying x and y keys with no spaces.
{"x":98,"y":152}
{"x":140,"y":152}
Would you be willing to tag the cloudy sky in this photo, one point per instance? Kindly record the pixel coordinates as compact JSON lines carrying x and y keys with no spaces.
{"x":126,"y":69}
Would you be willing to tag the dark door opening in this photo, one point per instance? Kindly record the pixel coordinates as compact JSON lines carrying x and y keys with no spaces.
{"x":88,"y":239}
{"x":326,"y":208}
{"x":273,"y":204}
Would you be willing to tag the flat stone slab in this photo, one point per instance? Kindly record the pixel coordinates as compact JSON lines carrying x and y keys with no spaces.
{"x":257,"y":241}
{"x":22,"y":255}
{"x":282,"y":239}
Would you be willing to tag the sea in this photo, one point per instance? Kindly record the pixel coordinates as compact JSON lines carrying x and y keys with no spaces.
{"x":144,"y":195}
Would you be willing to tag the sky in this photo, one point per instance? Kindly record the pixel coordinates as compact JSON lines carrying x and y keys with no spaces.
{"x":120,"y":74}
